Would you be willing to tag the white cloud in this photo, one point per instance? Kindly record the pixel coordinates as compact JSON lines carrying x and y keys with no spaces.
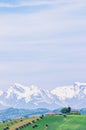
{"x":62,"y":26}
{"x":22,"y":3}
{"x":26,"y":4}
{"x":37,"y":3}
{"x":42,"y":24}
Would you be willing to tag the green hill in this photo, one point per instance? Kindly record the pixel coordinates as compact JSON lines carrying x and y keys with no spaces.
{"x":49,"y":122}
{"x":71,"y":122}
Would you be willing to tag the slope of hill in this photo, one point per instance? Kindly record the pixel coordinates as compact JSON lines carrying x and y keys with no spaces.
{"x":60,"y":123}
{"x":53,"y":122}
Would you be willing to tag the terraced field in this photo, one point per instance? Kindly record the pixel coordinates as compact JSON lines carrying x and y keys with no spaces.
{"x":54,"y":122}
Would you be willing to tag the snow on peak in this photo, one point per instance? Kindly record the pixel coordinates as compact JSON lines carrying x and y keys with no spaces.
{"x":29,"y":92}
{"x":69,"y":91}
{"x":17,"y":89}
{"x":9,"y":91}
{"x":1,"y":92}
{"x":64,"y":92}
{"x":25,"y":92}
{"x":80,"y":84}
{"x":17,"y":85}
{"x":30,"y":95}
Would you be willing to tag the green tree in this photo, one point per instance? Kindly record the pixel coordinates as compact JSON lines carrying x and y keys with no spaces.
{"x":69,"y":109}
{"x":66,"y":110}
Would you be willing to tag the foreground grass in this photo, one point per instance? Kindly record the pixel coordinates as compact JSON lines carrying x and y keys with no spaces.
{"x":54,"y":122}
{"x":9,"y":123}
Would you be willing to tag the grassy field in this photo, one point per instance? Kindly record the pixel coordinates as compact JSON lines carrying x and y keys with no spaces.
{"x":8,"y":123}
{"x":71,"y":122}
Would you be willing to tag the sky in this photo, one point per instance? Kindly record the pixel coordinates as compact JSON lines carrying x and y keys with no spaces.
{"x":42,"y":42}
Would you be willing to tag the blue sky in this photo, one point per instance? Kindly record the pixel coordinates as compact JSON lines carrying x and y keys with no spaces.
{"x":42,"y":42}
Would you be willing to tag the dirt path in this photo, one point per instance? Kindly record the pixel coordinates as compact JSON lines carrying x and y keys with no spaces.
{"x":23,"y":122}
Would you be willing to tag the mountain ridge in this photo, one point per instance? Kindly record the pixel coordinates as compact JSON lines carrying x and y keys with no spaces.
{"x":20,"y":96}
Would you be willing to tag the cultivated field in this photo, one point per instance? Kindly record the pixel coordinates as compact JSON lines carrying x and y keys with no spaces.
{"x":13,"y":124}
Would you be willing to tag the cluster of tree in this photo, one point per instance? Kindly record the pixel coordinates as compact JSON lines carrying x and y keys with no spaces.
{"x":66,"y":110}
{"x":34,"y":126}
{"x":25,"y":125}
{"x":6,"y":128}
{"x":29,"y":123}
{"x":41,"y":117}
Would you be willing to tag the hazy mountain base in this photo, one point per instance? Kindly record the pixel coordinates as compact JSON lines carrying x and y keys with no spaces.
{"x":13,"y":113}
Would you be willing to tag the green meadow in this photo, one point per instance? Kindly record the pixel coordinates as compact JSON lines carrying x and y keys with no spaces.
{"x":53,"y":122}
{"x":71,"y":122}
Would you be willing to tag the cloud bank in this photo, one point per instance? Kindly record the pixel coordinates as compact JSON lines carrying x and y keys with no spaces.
{"x":42,"y":42}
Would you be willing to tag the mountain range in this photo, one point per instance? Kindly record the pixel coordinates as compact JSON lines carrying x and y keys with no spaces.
{"x":33,"y":97}
{"x":15,"y":113}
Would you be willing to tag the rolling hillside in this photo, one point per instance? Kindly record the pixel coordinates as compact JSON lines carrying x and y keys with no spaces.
{"x":60,"y":123}
{"x":52,"y":122}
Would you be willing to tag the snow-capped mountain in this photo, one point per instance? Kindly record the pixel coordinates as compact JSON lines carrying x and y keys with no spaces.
{"x":73,"y":95}
{"x":20,"y":96}
{"x":76,"y":90}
